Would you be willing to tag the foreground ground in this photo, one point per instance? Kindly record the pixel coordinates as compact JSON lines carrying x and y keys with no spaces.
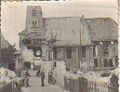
{"x":35,"y":86}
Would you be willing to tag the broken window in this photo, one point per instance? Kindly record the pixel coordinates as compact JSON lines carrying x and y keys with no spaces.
{"x":68,"y":52}
{"x":37,"y":51}
{"x":96,"y":62}
{"x":83,"y":52}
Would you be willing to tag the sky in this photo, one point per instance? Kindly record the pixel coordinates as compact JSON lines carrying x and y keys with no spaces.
{"x":13,"y":14}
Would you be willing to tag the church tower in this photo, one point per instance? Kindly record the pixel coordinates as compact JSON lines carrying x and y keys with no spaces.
{"x":33,"y":42}
{"x":34,"y":17}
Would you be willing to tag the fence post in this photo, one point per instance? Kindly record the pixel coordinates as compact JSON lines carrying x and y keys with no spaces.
{"x":12,"y":85}
{"x":108,"y":88}
{"x":95,"y":87}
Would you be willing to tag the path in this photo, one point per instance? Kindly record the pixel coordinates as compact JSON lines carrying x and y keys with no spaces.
{"x":35,"y":86}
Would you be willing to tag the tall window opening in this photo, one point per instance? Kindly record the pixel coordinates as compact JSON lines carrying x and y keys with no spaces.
{"x":95,"y":51}
{"x":110,"y":63}
{"x":96,"y":62}
{"x":105,"y":63}
{"x":55,"y":53}
{"x":68,"y":52}
{"x":83,"y":52}
{"x":106,"y":50}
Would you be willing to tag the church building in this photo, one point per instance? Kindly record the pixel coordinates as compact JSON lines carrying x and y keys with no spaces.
{"x":86,"y":43}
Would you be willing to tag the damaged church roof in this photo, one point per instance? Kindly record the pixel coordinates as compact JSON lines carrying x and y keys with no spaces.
{"x":102,"y":29}
{"x":94,"y":29}
{"x":69,"y":30}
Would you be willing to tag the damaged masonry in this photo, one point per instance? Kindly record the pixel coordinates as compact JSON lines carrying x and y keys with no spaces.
{"x":86,"y":43}
{"x":67,"y":54}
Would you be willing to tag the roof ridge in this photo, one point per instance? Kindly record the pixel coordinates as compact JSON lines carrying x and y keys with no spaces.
{"x":79,"y":17}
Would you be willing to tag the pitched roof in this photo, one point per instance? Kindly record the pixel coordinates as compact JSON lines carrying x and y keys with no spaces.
{"x":102,"y":29}
{"x":68,"y":30}
{"x":4,"y":42}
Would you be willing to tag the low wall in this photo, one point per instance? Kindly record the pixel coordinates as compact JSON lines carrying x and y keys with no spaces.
{"x":81,"y":84}
{"x":11,"y":87}
{"x":6,"y":88}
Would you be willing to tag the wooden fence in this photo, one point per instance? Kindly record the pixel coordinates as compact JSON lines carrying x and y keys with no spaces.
{"x":11,"y":87}
{"x":83,"y":85}
{"x":6,"y":88}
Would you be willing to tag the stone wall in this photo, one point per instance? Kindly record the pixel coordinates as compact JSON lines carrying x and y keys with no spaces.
{"x":73,"y":62}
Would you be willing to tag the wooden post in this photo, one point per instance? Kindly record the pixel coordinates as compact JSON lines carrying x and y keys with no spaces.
{"x":80,"y":52}
{"x":13,"y":85}
{"x":95,"y":87}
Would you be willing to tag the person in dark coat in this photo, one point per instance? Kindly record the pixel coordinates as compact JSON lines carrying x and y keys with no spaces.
{"x":19,"y":73}
{"x":26,"y":78}
{"x":50,"y":77}
{"x":42,"y":75}
{"x":38,"y":73}
{"x":27,"y":73}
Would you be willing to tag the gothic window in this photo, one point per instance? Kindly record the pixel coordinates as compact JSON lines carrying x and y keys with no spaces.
{"x":68,"y":53}
{"x":83,"y":52}
{"x":34,"y":24}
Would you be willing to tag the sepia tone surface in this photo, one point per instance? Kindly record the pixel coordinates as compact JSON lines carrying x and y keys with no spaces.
{"x":59,"y":46}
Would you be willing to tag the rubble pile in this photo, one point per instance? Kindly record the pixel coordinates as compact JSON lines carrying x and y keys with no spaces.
{"x":6,"y":76}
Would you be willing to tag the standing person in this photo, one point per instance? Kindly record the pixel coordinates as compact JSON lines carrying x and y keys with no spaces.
{"x":42,"y":78}
{"x":50,"y":77}
{"x":19,"y":73}
{"x":38,"y":73}
{"x":26,"y":78}
{"x":27,"y":74}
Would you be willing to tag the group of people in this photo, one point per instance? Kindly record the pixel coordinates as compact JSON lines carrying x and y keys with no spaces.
{"x":40,"y":74}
